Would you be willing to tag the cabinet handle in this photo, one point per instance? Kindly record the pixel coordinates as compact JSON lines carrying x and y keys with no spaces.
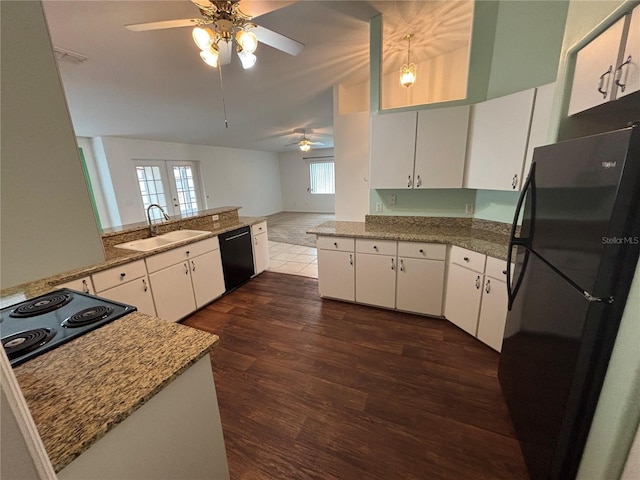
{"x":186,"y":269}
{"x":393,"y":264}
{"x":466,"y":259}
{"x":514,"y":182}
{"x":193,"y":265}
{"x":618,"y":75}
{"x":421,"y":250}
{"x":419,"y":182}
{"x":375,"y":247}
{"x":504,"y":272}
{"x":85,"y":287}
{"x":601,"y":82}
{"x":144,"y":283}
{"x":478,"y":282}
{"x":188,"y":252}
{"x":487,"y":287}
{"x":401,"y":265}
{"x":335,"y":244}
{"x":122,"y":275}
{"x":409,"y":181}
{"x":350,"y":259}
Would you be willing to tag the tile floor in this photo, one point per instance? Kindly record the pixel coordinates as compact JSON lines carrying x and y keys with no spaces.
{"x":293,"y":259}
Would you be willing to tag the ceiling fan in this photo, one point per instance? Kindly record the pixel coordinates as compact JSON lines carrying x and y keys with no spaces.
{"x":304,"y":143}
{"x":223,"y":22}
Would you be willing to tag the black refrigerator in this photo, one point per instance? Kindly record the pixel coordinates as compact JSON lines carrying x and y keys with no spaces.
{"x":575,"y":256}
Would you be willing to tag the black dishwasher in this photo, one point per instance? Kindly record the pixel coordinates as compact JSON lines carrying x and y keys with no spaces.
{"x":237,"y":257}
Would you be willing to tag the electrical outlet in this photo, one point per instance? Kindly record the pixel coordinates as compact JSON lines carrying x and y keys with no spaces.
{"x":378,"y":207}
{"x":216,"y":225}
{"x":392,"y":199}
{"x":468,"y":208}
{"x":215,"y":218}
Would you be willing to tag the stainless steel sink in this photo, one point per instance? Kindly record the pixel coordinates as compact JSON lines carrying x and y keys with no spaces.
{"x":153,"y":243}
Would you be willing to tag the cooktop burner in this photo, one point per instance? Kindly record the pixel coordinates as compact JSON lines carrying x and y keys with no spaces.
{"x":87,"y":316}
{"x":25,"y":342}
{"x":37,"y":325}
{"x":43,"y":304}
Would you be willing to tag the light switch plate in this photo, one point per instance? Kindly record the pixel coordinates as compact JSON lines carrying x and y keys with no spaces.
{"x":468,"y":208}
{"x":378,"y":207}
{"x":392,"y":199}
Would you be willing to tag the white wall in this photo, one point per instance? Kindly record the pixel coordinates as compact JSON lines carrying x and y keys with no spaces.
{"x":351,"y":153}
{"x":48,"y":225}
{"x":294,"y":178}
{"x":244,"y":178}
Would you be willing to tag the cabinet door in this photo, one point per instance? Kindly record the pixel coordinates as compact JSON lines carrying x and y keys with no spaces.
{"x":441,"y":145}
{"x":462,"y":302}
{"x":393,"y":140}
{"x":593,"y":78}
{"x":498,"y":141}
{"x":493,"y":313}
{"x":628,"y":74}
{"x":136,"y":292}
{"x":260,"y":252}
{"x":172,"y":292}
{"x":376,"y":280}
{"x":336,"y":274}
{"x":420,"y":286}
{"x":207,"y":277}
{"x":539,"y":132}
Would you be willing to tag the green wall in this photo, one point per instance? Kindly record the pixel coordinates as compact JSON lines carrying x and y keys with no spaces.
{"x":428,"y":203}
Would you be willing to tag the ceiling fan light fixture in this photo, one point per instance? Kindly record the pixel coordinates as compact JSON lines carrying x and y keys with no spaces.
{"x":247,"y":40}
{"x":408,"y":70}
{"x":304,"y":145}
{"x":248,"y":59}
{"x":203,"y":37}
{"x":210,"y":56}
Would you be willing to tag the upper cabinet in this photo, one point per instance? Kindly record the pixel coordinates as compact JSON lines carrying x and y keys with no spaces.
{"x":608,"y":67}
{"x":424,"y":149}
{"x":498,"y":140}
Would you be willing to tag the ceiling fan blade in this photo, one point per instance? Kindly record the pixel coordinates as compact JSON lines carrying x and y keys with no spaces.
{"x":203,"y":4}
{"x":143,"y":27}
{"x":317,"y":143}
{"x":256,"y":8}
{"x":225,"y":49}
{"x":277,"y":41}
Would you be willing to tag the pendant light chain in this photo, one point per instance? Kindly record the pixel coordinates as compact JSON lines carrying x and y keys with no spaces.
{"x":224,"y":106}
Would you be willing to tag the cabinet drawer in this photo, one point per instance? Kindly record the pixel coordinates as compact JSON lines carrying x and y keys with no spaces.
{"x":496,"y":268}
{"x":180,"y":254}
{"x":432,"y":251}
{"x":83,"y":284}
{"x":259,"y":228}
{"x":467,"y":258}
{"x":380,"y":247}
{"x":341,"y":244}
{"x":118,"y":275}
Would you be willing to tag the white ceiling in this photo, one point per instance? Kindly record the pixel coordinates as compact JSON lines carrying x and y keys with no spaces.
{"x":153,"y":85}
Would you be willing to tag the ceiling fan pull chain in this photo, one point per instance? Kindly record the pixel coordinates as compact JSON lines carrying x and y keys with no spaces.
{"x":224,"y":106}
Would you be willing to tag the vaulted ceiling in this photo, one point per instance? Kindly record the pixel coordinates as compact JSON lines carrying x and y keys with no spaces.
{"x":153,"y":85}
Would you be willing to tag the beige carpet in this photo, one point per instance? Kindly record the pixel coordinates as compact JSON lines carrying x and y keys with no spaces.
{"x":291,"y":227}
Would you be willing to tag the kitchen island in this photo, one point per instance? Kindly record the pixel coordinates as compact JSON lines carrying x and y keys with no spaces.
{"x":134,"y":398}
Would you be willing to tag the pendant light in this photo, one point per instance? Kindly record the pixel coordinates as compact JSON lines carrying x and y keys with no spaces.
{"x":408,"y":70}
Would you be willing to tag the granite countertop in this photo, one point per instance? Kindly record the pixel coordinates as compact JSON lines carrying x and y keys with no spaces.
{"x":487,"y":242}
{"x":79,"y":391}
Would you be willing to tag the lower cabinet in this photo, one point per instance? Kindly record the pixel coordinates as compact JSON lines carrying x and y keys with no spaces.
{"x":336,"y":268}
{"x":493,"y":312}
{"x":420,"y":280}
{"x":127,"y":284}
{"x":186,"y":278}
{"x":260,"y":247}
{"x":376,"y":265}
{"x":83,"y":284}
{"x":463,"y":297}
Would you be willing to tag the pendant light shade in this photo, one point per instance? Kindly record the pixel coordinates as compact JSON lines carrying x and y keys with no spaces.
{"x":210,"y":56}
{"x":248,"y":59}
{"x":304,"y":146}
{"x":408,"y":70}
{"x":203,"y":37}
{"x":247,"y":40}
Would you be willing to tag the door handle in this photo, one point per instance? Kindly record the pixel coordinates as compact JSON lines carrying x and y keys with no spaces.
{"x":487,"y":286}
{"x":418,"y":181}
{"x":601,"y":82}
{"x":350,"y":259}
{"x":401,"y":265}
{"x":144,"y":285}
{"x":618,"y":74}
{"x":193,"y":265}
{"x":186,"y":269}
{"x":409,"y":181}
{"x":85,"y":287}
{"x":478,"y":282}
{"x":393,"y":264}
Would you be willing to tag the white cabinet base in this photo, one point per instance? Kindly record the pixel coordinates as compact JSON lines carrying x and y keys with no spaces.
{"x":176,"y":434}
{"x":493,"y":313}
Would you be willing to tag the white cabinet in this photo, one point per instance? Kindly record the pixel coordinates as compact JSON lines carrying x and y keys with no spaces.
{"x":608,"y":67}
{"x":498,"y":135}
{"x":540,"y":121}
{"x":336,"y":267}
{"x":83,"y":284}
{"x":376,"y":272}
{"x":186,"y":278}
{"x":419,"y":150}
{"x":476,"y":298}
{"x":393,"y":140}
{"x":420,"y":277}
{"x":493,"y":312}
{"x":128,"y":284}
{"x":260,"y":247}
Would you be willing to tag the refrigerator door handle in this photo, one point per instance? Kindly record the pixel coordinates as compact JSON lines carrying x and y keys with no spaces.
{"x":529,"y":185}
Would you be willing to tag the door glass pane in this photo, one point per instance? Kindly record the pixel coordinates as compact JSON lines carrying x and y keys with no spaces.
{"x":187,"y":199}
{"x":151,"y":189}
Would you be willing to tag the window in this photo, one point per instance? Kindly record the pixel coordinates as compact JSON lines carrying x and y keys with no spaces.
{"x":322,"y":177}
{"x":172,"y":185}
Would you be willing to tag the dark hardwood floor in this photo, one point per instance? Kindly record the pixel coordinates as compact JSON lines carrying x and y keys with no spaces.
{"x":320,"y":389}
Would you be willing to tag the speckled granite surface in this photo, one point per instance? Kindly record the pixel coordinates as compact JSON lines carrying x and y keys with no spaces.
{"x":79,"y":391}
{"x":454,"y":231}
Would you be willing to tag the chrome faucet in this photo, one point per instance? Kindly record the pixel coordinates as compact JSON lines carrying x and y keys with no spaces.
{"x":153,"y":229}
